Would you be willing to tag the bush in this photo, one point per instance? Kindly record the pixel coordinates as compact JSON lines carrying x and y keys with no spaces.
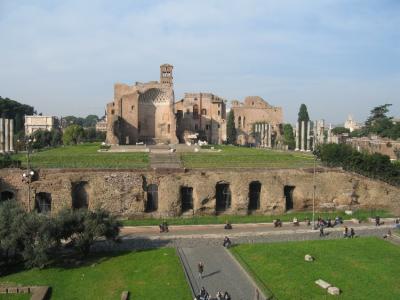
{"x":38,"y":239}
{"x":374,"y":165}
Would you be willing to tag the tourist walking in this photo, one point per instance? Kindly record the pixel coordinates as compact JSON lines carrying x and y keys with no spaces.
{"x":352,"y":233}
{"x":200,"y":268}
{"x":321,"y":232}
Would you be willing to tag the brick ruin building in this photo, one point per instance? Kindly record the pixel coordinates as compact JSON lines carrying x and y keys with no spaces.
{"x":257,"y":122}
{"x":147,"y":112}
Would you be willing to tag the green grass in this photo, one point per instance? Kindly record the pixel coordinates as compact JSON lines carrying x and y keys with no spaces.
{"x":84,"y":156}
{"x":15,"y":296}
{"x":363,"y":268}
{"x":242,"y":157}
{"x":200,"y":220}
{"x":151,"y":274}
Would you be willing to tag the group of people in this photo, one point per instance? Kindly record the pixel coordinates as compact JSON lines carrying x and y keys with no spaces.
{"x":204,"y":295}
{"x":163,"y":227}
{"x":347,"y":234}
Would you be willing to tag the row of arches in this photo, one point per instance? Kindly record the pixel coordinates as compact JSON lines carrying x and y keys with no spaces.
{"x":223,"y":197}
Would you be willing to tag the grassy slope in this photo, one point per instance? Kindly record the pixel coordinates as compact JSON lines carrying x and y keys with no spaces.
{"x":234,"y":157}
{"x":152,"y":274}
{"x":254,"y":218}
{"x":363,"y":268}
{"x":85,"y":156}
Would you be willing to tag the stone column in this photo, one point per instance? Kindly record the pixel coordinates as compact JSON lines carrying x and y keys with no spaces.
{"x":6,"y":135}
{"x":262,"y":129}
{"x":12,"y":135}
{"x":1,"y":135}
{"x":302,"y":135}
{"x":297,"y":136}
{"x":269,"y":136}
{"x":308,"y":135}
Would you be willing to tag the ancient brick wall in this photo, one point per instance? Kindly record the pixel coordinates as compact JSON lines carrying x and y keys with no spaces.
{"x":125,"y":192}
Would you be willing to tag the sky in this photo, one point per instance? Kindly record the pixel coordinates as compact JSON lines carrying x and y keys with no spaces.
{"x":338,"y":57}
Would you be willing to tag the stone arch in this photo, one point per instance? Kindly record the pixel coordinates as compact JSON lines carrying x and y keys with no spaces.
{"x":195,"y":111}
{"x":43,"y":202}
{"x":7,"y":195}
{"x":254,"y":195}
{"x":186,"y":193}
{"x":288,"y":193}
{"x":152,"y":198}
{"x":80,"y":194}
{"x":223,"y":196}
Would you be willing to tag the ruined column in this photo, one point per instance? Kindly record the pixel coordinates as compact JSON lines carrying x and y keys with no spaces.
{"x":297,"y":136}
{"x":269,"y":136}
{"x":12,"y":135}
{"x":262,"y":135}
{"x":308,"y":135}
{"x":6,"y":135}
{"x":1,"y":135}
{"x":302,"y":135}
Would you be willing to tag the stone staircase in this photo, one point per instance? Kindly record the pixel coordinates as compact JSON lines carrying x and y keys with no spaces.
{"x":162,"y":158}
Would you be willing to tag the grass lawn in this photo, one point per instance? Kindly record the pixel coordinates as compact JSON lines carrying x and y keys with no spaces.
{"x":15,"y":297}
{"x":151,"y":274}
{"x":363,"y":268}
{"x":201,"y":220}
{"x":84,"y":156}
{"x":242,"y":157}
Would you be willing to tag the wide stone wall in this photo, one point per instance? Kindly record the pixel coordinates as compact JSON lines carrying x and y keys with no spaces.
{"x":202,"y":192}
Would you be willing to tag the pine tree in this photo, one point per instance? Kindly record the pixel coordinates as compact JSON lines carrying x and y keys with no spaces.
{"x":303,"y":116}
{"x":230,"y":128}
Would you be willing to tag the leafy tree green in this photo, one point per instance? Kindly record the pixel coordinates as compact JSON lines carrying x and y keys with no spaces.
{"x":15,"y":110}
{"x":288,"y":136}
{"x":230,"y":128}
{"x":38,"y":239}
{"x":340,"y":130}
{"x":90,"y":121}
{"x":73,"y":135}
{"x":373,"y":165}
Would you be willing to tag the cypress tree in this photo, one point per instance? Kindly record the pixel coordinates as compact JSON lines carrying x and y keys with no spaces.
{"x":230,"y":128}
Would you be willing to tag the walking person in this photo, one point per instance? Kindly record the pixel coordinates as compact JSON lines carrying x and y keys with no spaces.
{"x":352,"y":233}
{"x":321,"y":232}
{"x":200,"y":268}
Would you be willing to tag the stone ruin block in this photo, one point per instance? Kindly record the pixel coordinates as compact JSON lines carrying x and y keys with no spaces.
{"x":323,"y":284}
{"x":125,"y":295}
{"x":333,"y":290}
{"x":308,"y":257}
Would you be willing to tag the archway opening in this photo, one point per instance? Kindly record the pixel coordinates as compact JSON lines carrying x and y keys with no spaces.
{"x":186,"y":198}
{"x":288,"y":192}
{"x":223,"y":197}
{"x":254,"y":195}
{"x":43,"y":202}
{"x":80,"y":195}
{"x":152,"y":198}
{"x":7,"y":195}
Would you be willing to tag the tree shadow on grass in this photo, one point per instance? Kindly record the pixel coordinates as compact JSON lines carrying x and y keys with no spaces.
{"x":101,"y":251}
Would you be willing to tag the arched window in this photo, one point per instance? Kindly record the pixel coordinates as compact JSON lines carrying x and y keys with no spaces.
{"x":7,"y":195}
{"x":195,"y":111}
{"x":152,"y":198}
{"x":240,"y":122}
{"x":43,"y":203}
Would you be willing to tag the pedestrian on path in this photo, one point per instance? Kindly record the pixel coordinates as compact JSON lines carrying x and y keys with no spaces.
{"x":200,"y":268}
{"x":321,"y":232}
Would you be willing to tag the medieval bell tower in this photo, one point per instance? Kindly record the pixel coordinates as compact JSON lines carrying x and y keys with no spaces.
{"x":166,"y":74}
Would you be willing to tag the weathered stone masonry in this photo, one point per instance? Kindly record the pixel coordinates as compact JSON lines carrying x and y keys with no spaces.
{"x":150,"y":193}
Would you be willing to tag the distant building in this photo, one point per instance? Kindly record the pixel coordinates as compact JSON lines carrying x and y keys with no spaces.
{"x":34,"y":123}
{"x":101,"y":125}
{"x":351,"y":124}
{"x":203,"y":114}
{"x":376,"y":144}
{"x":256,"y":121}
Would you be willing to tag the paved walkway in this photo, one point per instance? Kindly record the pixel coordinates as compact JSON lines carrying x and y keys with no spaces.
{"x":212,"y":235}
{"x":221,"y":272}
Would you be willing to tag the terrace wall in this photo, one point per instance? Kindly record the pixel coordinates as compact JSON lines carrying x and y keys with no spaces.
{"x":124,"y":192}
